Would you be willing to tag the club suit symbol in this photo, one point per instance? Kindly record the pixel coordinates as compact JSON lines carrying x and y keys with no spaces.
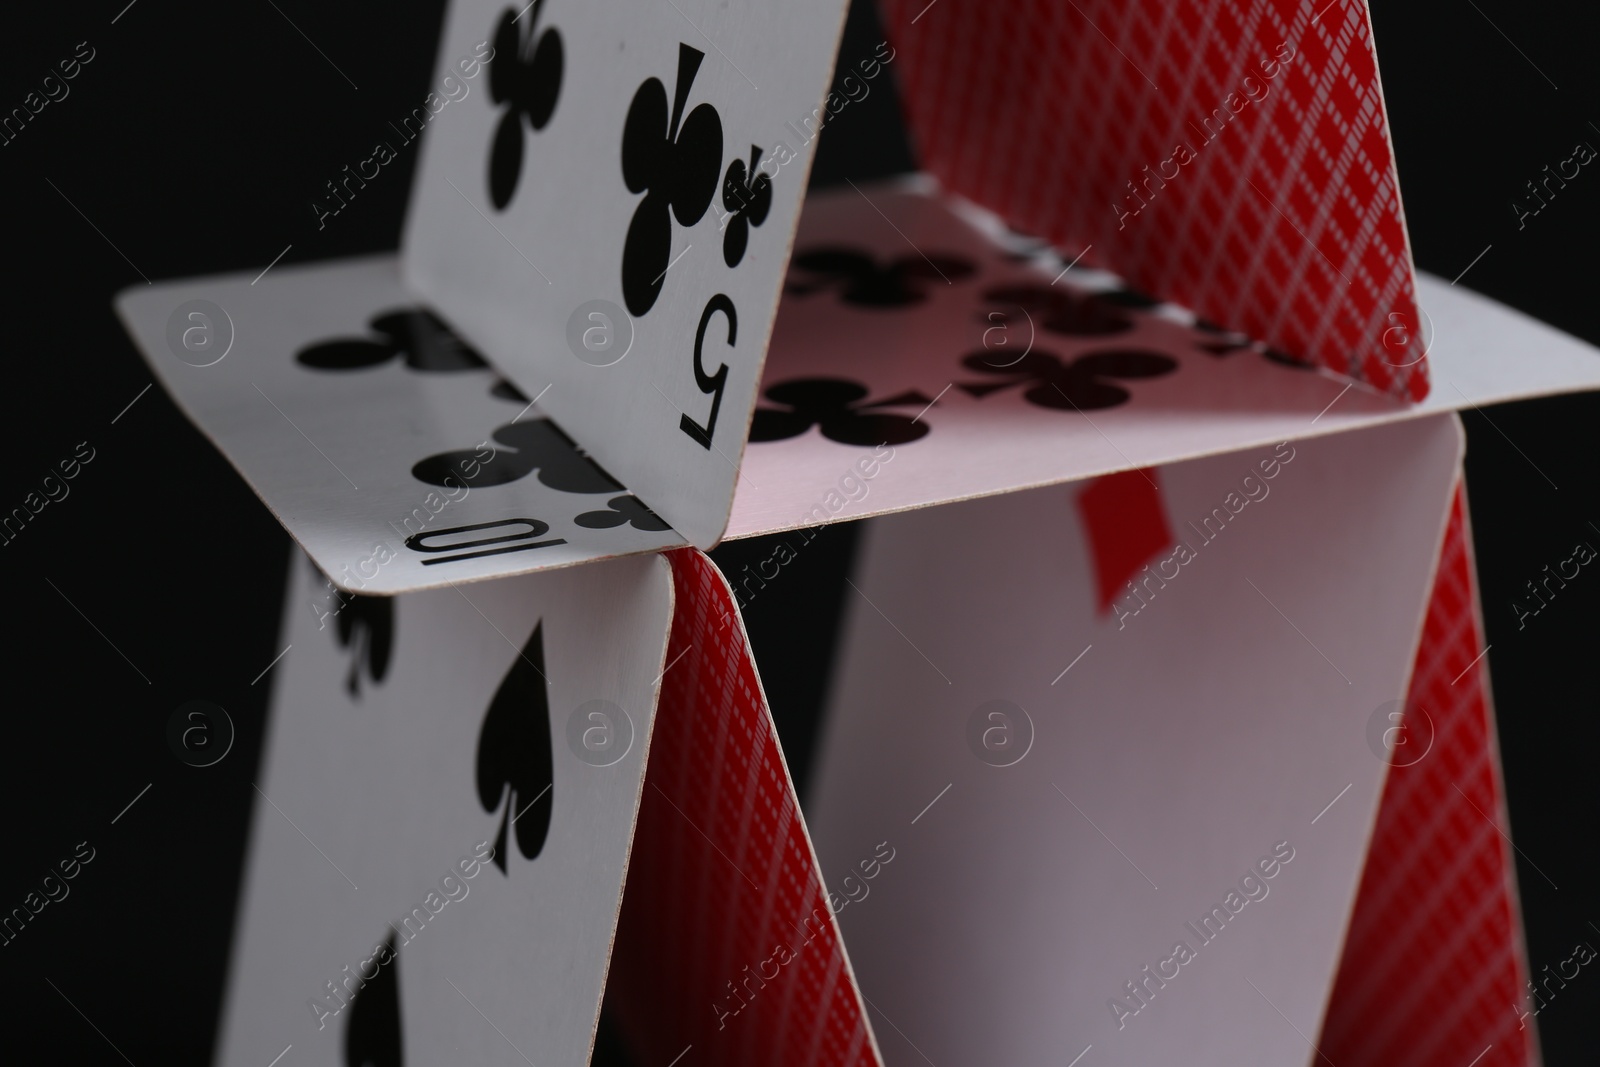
{"x":365,"y":626}
{"x":674,"y":163}
{"x":415,"y":337}
{"x":524,"y":75}
{"x":861,"y":282}
{"x":515,"y":771}
{"x":1080,"y":384}
{"x":619,"y":510}
{"x":524,"y":447}
{"x":1059,"y":310}
{"x":835,"y":406}
{"x":747,"y":196}
{"x":372,"y":1037}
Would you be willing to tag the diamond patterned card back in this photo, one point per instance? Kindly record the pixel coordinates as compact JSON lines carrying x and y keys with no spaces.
{"x":1230,"y":155}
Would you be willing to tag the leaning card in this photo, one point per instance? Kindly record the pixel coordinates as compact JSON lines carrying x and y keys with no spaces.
{"x":610,"y":220}
{"x":385,"y":445}
{"x":1104,"y":723}
{"x":443,"y":820}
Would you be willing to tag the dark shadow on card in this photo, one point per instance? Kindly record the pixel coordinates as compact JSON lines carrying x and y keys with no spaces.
{"x":861,"y":280}
{"x":374,"y":1037}
{"x":610,"y":1046}
{"x":866,"y":138}
{"x":790,"y":588}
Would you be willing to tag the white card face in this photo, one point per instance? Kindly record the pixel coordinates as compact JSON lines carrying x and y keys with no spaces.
{"x":1137,"y":774}
{"x":899,"y":301}
{"x":385,"y":782}
{"x":400,"y":470}
{"x":588,"y":215}
{"x":389,"y":450}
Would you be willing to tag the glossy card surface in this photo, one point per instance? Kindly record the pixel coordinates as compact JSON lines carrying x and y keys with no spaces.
{"x":611,"y":219}
{"x":387,"y":447}
{"x":438,"y":847}
{"x":1094,"y":713}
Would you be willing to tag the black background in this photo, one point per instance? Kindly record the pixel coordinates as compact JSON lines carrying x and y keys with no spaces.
{"x":194,"y":142}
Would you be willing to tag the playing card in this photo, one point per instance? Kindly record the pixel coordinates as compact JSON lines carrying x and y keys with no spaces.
{"x":1233,"y":155}
{"x":610,"y":220}
{"x":568,"y":363}
{"x":443,"y":819}
{"x":1116,"y":719}
{"x":923,"y":355}
{"x":1434,"y":970}
{"x":385,"y":445}
{"x":728,"y":950}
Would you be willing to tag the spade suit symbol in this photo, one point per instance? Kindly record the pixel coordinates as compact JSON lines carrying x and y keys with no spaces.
{"x":514,"y":764}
